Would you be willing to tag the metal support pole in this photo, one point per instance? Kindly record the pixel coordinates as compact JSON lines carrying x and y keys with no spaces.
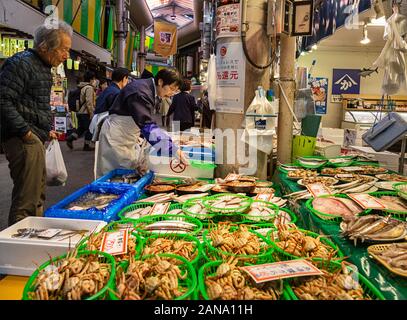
{"x":142,"y":54}
{"x":120,"y":33}
{"x":285,"y":117}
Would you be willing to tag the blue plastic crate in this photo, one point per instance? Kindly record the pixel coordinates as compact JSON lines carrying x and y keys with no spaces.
{"x":127,"y":194}
{"x":139,"y":185}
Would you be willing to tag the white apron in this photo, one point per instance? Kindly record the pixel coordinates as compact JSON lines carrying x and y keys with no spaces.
{"x":119,"y":145}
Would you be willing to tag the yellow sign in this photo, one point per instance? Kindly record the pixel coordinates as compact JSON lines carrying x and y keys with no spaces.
{"x":13,"y":47}
{"x":21,"y":45}
{"x":6,"y":47}
{"x":165,"y":38}
{"x":30,"y":44}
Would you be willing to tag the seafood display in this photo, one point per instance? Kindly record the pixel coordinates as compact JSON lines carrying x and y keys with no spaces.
{"x":340,"y":160}
{"x":241,"y":186}
{"x":385,"y":185}
{"x":299,"y":243}
{"x":365,"y":169}
{"x":327,"y":181}
{"x":261,"y":211}
{"x":171,"y":224}
{"x":394,"y":203}
{"x":263,"y":184}
{"x":392,"y":177}
{"x":47,"y":234}
{"x":92,"y":200}
{"x":228,"y":203}
{"x":220,"y":189}
{"x":159,"y":198}
{"x":151,"y":279}
{"x":228,"y":282}
{"x":228,"y":241}
{"x":127,"y":178}
{"x":356,"y":186}
{"x":301,"y":174}
{"x":159,"y":188}
{"x":329,"y":286}
{"x":335,"y":206}
{"x":263,"y":190}
{"x":374,"y":228}
{"x":196,"y":209}
{"x":393,"y":256}
{"x":75,"y":277}
{"x":351,"y":177}
{"x":182,"y":247}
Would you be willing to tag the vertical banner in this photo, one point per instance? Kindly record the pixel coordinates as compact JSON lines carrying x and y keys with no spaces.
{"x":345,"y":81}
{"x":228,"y":20}
{"x":165,"y":38}
{"x":230,"y":70}
{"x":319,"y":88}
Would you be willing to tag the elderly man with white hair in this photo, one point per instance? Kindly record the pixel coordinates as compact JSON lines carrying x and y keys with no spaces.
{"x":25,"y":115}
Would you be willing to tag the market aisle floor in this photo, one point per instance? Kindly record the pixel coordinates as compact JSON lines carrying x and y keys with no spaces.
{"x":79,"y":165}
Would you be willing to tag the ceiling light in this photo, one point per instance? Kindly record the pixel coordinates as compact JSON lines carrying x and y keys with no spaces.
{"x":365,"y":39}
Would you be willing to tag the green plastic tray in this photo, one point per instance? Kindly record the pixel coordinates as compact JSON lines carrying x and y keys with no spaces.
{"x":209,"y":269}
{"x":296,"y":162}
{"x":283,"y":255}
{"x":185,"y":237}
{"x":213,"y":253}
{"x":401,"y":215}
{"x":132,"y":207}
{"x":102,"y":294}
{"x":401,"y":193}
{"x":151,"y":219}
{"x":267,"y":204}
{"x":190,"y":282}
{"x":343,"y":164}
{"x":207,"y":201}
{"x":189,"y":203}
{"x":368,"y":288}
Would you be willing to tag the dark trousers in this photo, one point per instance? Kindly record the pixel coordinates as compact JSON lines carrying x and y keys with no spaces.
{"x":27,"y":170}
{"x":84,"y":121}
{"x":185,"y":126}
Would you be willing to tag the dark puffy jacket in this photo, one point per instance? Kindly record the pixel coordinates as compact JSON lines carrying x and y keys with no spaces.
{"x":183,"y":107}
{"x":106,"y":99}
{"x":25,"y":89}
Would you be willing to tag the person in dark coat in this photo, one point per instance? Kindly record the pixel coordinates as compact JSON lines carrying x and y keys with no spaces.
{"x":130,"y":117}
{"x":205,"y":110}
{"x":146,"y":74}
{"x":183,"y":107}
{"x":25,"y":115}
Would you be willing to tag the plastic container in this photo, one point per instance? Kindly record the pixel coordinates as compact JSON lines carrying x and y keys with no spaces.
{"x":122,"y":214}
{"x":127,"y":195}
{"x":303,"y":146}
{"x":264,"y":256}
{"x":191,"y":202}
{"x":21,"y":256}
{"x":400,"y":215}
{"x":368,"y":288}
{"x":102,"y":294}
{"x":284,"y":255}
{"x":190,"y":282}
{"x":140,"y":184}
{"x":245,"y":204}
{"x":209,"y":269}
{"x":401,"y":189}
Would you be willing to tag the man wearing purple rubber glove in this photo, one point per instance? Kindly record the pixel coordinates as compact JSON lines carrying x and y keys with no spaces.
{"x":131,"y":116}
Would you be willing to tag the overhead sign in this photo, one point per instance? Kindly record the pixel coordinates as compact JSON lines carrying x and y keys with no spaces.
{"x":165,"y":38}
{"x":345,"y":81}
{"x":230,"y":70}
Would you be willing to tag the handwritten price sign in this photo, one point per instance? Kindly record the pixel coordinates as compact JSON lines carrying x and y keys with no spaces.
{"x":115,"y":243}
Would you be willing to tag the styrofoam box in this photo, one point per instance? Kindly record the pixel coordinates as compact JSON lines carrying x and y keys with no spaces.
{"x":389,"y":160}
{"x":168,"y":167}
{"x":23,"y":256}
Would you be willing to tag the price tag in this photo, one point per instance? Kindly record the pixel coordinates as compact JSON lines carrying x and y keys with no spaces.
{"x":232,"y":177}
{"x":115,"y":243}
{"x":49,"y":233}
{"x":318,"y":189}
{"x":366,"y":201}
{"x":159,"y":208}
{"x":281,"y":270}
{"x":264,"y":197}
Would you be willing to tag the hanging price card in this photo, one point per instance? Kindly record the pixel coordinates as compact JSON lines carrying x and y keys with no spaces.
{"x":367,"y":201}
{"x":115,"y":243}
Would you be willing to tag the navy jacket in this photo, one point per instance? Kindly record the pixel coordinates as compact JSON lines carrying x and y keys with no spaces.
{"x":183,"y":107}
{"x":138,"y":100}
{"x":106,"y":99}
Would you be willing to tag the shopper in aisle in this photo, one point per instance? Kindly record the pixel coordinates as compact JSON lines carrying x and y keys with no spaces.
{"x":146,"y":74}
{"x":103,"y":85}
{"x":120,"y":78}
{"x":130,"y":116}
{"x":205,"y":110}
{"x":25,"y":116}
{"x":183,"y":107}
{"x":86,"y":109}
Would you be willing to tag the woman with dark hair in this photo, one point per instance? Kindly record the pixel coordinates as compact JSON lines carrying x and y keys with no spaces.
{"x":130,"y":116}
{"x":183,"y":107}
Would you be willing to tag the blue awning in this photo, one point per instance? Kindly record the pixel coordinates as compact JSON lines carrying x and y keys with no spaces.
{"x":330,"y":16}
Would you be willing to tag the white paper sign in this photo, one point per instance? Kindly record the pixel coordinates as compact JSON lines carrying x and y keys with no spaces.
{"x":230,"y":68}
{"x":115,"y":243}
{"x":228,"y":20}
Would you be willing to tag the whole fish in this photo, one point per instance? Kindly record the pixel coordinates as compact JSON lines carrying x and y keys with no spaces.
{"x":366,"y":72}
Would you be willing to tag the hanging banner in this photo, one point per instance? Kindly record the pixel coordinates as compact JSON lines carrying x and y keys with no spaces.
{"x":345,"y":81}
{"x":13,"y":47}
{"x":165,"y":38}
{"x":230,"y":70}
{"x":6,"y":47}
{"x":228,"y":20}
{"x":319,"y":88}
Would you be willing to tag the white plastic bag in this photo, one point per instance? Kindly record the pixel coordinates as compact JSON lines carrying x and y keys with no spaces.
{"x":56,"y":170}
{"x":259,"y":129}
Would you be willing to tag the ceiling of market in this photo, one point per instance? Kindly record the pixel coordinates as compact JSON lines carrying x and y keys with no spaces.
{"x":180,"y":12}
